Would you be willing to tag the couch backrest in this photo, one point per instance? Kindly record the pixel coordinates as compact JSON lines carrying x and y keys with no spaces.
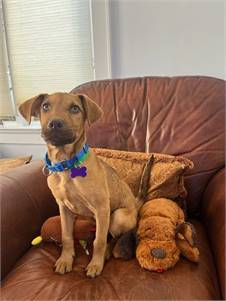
{"x":177,"y":116}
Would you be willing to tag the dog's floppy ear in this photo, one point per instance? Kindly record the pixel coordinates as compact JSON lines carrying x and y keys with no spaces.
{"x":92,"y":110}
{"x":31,"y":107}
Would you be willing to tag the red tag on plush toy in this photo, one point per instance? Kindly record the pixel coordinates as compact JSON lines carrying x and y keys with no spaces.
{"x":160,"y":270}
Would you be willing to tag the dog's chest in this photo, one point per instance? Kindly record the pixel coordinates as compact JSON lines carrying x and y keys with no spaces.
{"x":73,"y":193}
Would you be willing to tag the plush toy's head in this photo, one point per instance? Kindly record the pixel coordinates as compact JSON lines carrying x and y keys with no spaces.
{"x":157,"y":255}
{"x":164,"y":235}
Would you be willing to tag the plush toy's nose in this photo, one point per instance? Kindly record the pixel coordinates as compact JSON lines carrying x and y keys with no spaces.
{"x":158,"y":253}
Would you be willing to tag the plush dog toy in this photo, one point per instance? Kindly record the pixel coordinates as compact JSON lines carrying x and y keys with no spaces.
{"x":162,"y":235}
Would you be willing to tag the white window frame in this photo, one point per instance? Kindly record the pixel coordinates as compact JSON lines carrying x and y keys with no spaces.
{"x":19,"y":131}
{"x":101,"y":42}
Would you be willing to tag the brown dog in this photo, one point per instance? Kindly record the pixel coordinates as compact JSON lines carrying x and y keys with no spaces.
{"x":101,"y":194}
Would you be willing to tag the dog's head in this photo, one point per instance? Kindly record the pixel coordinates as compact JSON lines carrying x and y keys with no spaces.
{"x":62,"y":115}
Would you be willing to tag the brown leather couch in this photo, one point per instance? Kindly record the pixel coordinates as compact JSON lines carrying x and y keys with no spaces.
{"x":178,"y":116}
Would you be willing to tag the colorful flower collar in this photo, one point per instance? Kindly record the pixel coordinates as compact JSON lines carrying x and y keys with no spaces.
{"x":71,"y":164}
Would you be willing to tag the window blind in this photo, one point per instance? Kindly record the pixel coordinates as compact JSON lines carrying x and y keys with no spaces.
{"x":5,"y":103}
{"x":50,"y":45}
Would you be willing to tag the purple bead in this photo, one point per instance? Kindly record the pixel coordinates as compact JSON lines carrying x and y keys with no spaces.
{"x":78,"y":172}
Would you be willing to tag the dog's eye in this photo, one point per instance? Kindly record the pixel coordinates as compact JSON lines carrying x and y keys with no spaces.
{"x":74,"y":109}
{"x":46,"y":106}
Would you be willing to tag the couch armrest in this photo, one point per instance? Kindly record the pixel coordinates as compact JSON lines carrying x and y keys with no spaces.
{"x":26,"y":202}
{"x":213,"y":214}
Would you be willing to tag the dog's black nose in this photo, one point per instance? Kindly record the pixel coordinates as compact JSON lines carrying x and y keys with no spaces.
{"x":55,"y":124}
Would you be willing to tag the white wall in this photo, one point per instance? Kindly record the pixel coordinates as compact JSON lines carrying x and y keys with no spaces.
{"x":167,"y":37}
{"x":150,"y":37}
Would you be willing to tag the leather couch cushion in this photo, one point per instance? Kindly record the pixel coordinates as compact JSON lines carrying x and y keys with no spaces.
{"x":26,"y":202}
{"x":172,"y":115}
{"x":33,"y":278}
{"x":167,"y":172}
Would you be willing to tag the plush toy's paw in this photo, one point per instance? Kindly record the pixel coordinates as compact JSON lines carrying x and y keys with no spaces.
{"x":64,"y":264}
{"x":94,"y":268}
{"x":189,"y":252}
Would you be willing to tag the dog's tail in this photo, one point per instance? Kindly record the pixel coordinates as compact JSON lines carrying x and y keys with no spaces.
{"x":143,"y":188}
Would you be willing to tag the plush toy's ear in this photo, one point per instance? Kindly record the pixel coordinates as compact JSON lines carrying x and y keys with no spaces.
{"x":92,"y":110}
{"x":186,"y":241}
{"x":186,"y":231}
{"x":31,"y":107}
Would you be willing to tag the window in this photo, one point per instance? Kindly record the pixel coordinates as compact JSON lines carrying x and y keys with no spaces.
{"x":49,"y":45}
{"x":5,"y":103}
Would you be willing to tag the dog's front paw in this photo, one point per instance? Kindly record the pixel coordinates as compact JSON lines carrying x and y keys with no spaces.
{"x":64,"y":264}
{"x":94,"y":268}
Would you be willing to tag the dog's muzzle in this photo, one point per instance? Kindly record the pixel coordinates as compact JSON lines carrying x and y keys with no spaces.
{"x":57,"y":133}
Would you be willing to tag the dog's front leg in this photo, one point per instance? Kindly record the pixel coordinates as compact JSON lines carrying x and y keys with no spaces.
{"x":96,"y":265}
{"x":65,"y":261}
